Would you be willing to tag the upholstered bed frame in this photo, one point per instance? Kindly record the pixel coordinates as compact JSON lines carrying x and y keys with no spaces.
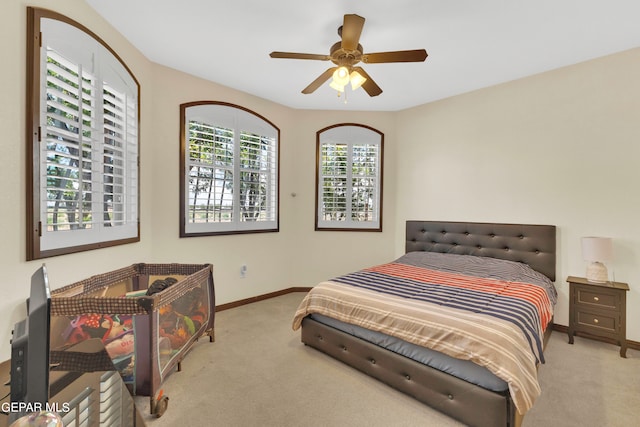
{"x":534,"y":245}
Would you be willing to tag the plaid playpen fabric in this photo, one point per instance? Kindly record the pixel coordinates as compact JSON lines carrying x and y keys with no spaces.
{"x":80,"y":297}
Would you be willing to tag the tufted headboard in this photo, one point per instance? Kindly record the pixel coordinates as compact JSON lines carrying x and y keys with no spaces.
{"x":534,"y":245}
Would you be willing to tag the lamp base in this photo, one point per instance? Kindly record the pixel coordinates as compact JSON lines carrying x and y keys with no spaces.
{"x":597,"y":272}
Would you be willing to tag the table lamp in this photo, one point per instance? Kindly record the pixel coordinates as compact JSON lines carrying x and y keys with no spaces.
{"x":597,"y":251}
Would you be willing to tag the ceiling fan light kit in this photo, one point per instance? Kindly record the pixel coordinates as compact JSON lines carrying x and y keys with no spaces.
{"x":342,"y":77}
{"x":346,"y":54}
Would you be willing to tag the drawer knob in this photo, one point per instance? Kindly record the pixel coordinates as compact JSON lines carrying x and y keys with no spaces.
{"x":596,"y":299}
{"x":595,"y":320}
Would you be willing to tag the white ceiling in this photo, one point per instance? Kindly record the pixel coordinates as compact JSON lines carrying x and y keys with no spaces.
{"x":471,"y":43}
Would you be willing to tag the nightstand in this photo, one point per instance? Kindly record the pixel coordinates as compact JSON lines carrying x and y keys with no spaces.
{"x":598,"y":309}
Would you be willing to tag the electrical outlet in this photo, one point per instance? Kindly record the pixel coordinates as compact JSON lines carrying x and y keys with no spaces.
{"x":243,"y":270}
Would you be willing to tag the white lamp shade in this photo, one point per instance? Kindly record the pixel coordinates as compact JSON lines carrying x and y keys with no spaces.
{"x":596,"y":249}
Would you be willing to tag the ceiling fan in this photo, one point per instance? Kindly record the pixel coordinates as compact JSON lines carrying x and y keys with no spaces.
{"x":348,"y":52}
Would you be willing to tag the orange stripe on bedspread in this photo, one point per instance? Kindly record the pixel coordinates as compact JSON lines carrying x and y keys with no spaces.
{"x":525,"y":291}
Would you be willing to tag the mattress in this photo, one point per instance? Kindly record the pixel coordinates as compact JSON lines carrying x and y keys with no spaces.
{"x":478,"y":310}
{"x":463,"y":369}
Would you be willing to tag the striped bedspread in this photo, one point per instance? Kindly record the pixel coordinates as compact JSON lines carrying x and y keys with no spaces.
{"x":489,"y":311}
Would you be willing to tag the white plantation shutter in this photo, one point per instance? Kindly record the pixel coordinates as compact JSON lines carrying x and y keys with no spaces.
{"x":365,"y":164}
{"x":258,"y":183}
{"x":349,"y":178}
{"x":334,"y":181}
{"x":88,"y":156}
{"x":120,"y":157}
{"x":69,"y":124}
{"x":230,"y":171}
{"x":210,"y":169}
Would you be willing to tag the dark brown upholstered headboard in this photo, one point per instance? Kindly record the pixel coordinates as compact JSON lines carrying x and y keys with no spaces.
{"x":534,"y":245}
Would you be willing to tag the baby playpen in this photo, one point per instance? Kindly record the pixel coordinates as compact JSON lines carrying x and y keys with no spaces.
{"x":147,"y":315}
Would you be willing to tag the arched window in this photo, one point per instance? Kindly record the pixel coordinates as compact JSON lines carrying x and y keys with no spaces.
{"x":349,"y":160}
{"x":229,"y":169}
{"x":82,"y":140}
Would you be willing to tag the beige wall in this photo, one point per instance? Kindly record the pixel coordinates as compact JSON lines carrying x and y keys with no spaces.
{"x":557,"y":148}
{"x":534,"y":150}
{"x":296,"y":256}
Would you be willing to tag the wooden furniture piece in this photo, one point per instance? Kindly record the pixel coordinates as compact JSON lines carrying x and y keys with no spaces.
{"x":534,"y":245}
{"x":598,"y":310}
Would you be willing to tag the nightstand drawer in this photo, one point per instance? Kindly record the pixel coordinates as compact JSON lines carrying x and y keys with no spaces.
{"x":602,"y":323}
{"x":598,"y":297}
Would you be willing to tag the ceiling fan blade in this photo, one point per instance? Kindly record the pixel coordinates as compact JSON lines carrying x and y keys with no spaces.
{"x":351,"y":30}
{"x":319,"y":81}
{"x":369,"y":86}
{"x":292,"y":55}
{"x":417,"y":55}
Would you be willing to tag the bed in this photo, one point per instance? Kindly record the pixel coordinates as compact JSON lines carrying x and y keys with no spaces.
{"x":451,"y":344}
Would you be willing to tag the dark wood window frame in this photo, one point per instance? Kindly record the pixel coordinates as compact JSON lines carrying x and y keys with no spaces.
{"x":349,"y":225}
{"x":234,"y":226}
{"x":109,"y":234}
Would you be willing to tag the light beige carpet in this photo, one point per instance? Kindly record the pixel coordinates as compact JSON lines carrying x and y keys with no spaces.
{"x":258,"y":373}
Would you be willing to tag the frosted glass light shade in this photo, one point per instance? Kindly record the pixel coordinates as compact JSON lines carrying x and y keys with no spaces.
{"x":336,"y":86}
{"x":341,"y":76}
{"x":356,"y":80}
